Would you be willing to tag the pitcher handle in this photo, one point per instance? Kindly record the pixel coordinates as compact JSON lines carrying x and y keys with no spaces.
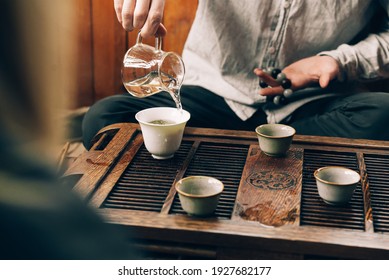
{"x":158,"y":41}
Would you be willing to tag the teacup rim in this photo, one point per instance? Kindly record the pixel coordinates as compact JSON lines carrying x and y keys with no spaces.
{"x":194,"y":195}
{"x":293,"y":131}
{"x":315,"y":174}
{"x":184,"y":120}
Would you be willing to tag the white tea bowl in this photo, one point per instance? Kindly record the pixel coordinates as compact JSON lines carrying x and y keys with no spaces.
{"x":162,"y":130}
{"x":336,"y":184}
{"x":199,"y":195}
{"x":275,"y":139}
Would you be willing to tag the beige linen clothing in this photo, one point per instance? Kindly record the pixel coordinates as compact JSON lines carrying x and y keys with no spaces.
{"x":228,"y":39}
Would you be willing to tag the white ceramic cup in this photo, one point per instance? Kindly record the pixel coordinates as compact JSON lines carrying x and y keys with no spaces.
{"x":162,"y":139}
{"x":199,"y":195}
{"x":336,"y":184}
{"x":275,"y":139}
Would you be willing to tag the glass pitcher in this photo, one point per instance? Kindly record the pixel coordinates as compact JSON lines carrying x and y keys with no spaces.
{"x":147,"y":70}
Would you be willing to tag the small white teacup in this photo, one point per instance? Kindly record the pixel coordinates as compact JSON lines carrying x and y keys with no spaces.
{"x":162,"y":130}
{"x":199,"y":195}
{"x":336,"y":184}
{"x":275,"y":139}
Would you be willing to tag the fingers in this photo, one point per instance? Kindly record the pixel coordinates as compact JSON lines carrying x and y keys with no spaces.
{"x":271,"y":91}
{"x":118,"y":5}
{"x":324,"y":80}
{"x":303,"y":73}
{"x":161,"y":31}
{"x":153,"y":23}
{"x":274,"y":87}
{"x":126,"y":15}
{"x":265,"y":77}
{"x":141,"y":14}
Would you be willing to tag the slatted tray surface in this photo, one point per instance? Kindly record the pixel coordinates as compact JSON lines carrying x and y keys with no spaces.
{"x":377,"y":167}
{"x":314,"y":211}
{"x":221,"y":161}
{"x":146,"y":182}
{"x":136,"y":183}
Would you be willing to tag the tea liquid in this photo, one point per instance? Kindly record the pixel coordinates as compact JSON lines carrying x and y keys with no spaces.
{"x":162,"y":122}
{"x":150,"y":84}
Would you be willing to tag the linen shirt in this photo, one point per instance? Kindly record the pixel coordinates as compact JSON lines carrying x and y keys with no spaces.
{"x":228,"y":39}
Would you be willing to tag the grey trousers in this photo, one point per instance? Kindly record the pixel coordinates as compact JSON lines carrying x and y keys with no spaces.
{"x":358,"y":115}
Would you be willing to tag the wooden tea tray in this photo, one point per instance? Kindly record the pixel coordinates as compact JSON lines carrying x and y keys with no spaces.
{"x":270,"y":207}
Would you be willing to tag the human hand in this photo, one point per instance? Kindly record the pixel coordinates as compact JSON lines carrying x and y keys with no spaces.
{"x":141,"y":14}
{"x":302,"y":73}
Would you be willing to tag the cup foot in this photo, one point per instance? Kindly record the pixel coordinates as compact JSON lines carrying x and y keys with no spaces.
{"x":340,"y":203}
{"x":162,"y":157}
{"x":275,"y":155}
{"x":202,"y":215}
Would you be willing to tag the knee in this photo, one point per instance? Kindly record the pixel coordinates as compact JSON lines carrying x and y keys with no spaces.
{"x":92,"y":114}
{"x":374,"y":115}
{"x":96,"y":114}
{"x":382,"y":115}
{"x":91,"y":123}
{"x":102,"y":113}
{"x":98,"y":110}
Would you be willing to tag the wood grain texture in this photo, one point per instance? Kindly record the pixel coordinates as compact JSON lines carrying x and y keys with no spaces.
{"x":270,"y":188}
{"x":106,"y":186}
{"x":109,"y":46}
{"x":366,"y":193}
{"x":84,"y":78}
{"x":95,"y":164}
{"x":310,"y":240}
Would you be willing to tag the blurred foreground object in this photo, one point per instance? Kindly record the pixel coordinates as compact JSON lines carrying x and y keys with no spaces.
{"x":39,"y":217}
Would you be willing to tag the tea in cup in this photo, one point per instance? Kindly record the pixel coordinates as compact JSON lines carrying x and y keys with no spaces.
{"x":162,"y":130}
{"x":336,"y":184}
{"x":275,"y":139}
